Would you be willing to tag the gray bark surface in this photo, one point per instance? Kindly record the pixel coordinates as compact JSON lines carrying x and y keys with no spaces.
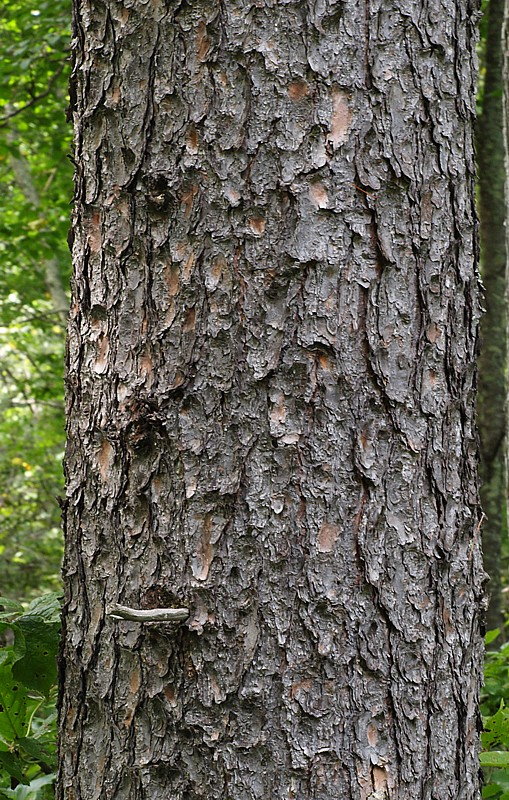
{"x":270,"y":400}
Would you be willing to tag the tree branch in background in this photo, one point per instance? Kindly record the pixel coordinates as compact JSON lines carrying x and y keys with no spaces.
{"x":14,"y":113}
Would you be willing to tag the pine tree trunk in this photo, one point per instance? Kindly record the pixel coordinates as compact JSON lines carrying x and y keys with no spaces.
{"x":493,"y":358}
{"x":270,"y":388}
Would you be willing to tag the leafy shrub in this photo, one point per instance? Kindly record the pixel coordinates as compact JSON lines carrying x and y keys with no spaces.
{"x":28,"y":677}
{"x":495,"y":737}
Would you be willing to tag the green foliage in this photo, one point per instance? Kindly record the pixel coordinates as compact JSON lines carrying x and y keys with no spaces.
{"x":28,"y":676}
{"x":35,"y":189}
{"x":495,"y":737}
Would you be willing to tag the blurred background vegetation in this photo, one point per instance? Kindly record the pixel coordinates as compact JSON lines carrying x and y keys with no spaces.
{"x":35,"y":195}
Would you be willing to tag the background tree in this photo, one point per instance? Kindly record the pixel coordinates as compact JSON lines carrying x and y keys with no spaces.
{"x":270,"y":391}
{"x":493,"y":357}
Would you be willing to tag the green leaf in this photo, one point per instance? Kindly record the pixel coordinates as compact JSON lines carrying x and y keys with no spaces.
{"x":13,"y":706}
{"x":29,"y":792}
{"x":10,"y":606}
{"x":5,"y":656}
{"x":38,"y":669}
{"x":17,"y":649}
{"x":38,"y":751}
{"x":496,"y":729}
{"x":491,"y":790}
{"x":11,"y":763}
{"x":47,"y":607}
{"x":494,"y":758}
{"x":491,"y":636}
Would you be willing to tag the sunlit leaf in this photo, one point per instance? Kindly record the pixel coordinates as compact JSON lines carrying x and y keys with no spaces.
{"x":13,"y":705}
{"x":494,"y":758}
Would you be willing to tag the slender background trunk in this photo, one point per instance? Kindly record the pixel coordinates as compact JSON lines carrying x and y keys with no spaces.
{"x":52,"y":268}
{"x":270,"y":391}
{"x":505,"y":127}
{"x":492,"y":362}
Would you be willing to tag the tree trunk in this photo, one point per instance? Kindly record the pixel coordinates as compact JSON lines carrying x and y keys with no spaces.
{"x":492,"y":362}
{"x":270,"y":390}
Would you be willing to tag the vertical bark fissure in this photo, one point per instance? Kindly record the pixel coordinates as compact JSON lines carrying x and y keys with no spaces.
{"x":270,"y":381}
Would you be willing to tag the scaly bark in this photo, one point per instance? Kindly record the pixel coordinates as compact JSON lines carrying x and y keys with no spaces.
{"x":270,"y":389}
